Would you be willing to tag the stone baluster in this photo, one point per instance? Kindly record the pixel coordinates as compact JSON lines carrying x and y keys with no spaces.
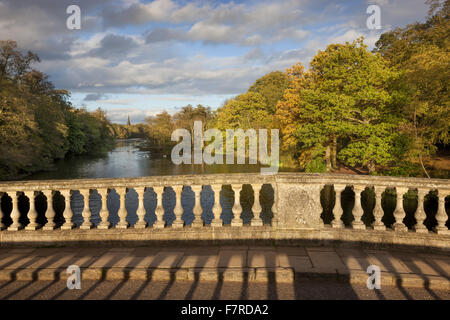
{"x":358,"y":210}
{"x":104,"y":212}
{"x":216,"y":222}
{"x":159,"y":211}
{"x":32,"y":213}
{"x":337,"y":210}
{"x":198,"y":222}
{"x":237,"y":208}
{"x":256,"y":208}
{"x":68,"y":213}
{"x":274,"y":208}
{"x":399,"y":213}
{"x":2,"y":226}
{"x":86,"y":213}
{"x":441,"y":215}
{"x":178,"y":210}
{"x":420,"y":215}
{"x":378,"y":210}
{"x":50,"y":212}
{"x":217,"y":208}
{"x":15,"y":213}
{"x":122,"y":213}
{"x":140,"y":212}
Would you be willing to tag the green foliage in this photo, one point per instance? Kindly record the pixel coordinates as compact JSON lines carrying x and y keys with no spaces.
{"x":271,"y":87}
{"x":316,"y":165}
{"x":344,"y":98}
{"x":37,"y":123}
{"x":420,"y":52}
{"x":248,"y":110}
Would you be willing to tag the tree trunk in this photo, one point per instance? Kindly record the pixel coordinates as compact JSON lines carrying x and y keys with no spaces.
{"x":371,"y":166}
{"x":334,"y":153}
{"x":328,"y":157}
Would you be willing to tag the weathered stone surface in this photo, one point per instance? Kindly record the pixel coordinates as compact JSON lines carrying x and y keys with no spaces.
{"x":197,"y":261}
{"x":262,"y":258}
{"x":299,"y":206}
{"x":166,"y":259}
{"x":232,"y":259}
{"x":321,"y":259}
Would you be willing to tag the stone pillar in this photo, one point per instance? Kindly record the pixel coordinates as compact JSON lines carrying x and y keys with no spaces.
{"x":2,"y":226}
{"x":337,"y":210}
{"x":32,"y":213}
{"x":399,"y":212}
{"x":216,"y":222}
{"x":275,"y":218}
{"x":68,"y":213}
{"x":104,"y":212}
{"x":256,"y":221}
{"x":441,"y":215}
{"x":420,"y":215}
{"x":198,"y":222}
{"x":237,"y":209}
{"x":178,"y":210}
{"x":122,"y":213}
{"x":159,"y":211}
{"x":50,"y":213}
{"x":140,"y":212}
{"x":86,"y":213}
{"x":358,"y":210}
{"x":378,"y":212}
{"x":15,"y":213}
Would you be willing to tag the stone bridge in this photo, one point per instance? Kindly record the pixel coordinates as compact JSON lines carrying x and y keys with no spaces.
{"x":301,"y":207}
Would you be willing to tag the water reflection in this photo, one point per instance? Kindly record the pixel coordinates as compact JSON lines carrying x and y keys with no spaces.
{"x":130,"y":159}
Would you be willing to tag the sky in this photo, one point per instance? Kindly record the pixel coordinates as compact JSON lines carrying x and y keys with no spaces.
{"x":137,"y":58}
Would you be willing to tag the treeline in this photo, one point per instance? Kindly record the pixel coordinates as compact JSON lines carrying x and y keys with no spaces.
{"x":38,"y":124}
{"x":379,"y":112}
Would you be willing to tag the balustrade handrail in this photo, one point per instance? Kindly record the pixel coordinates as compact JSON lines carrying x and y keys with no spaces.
{"x":296,"y":203}
{"x":227,"y":178}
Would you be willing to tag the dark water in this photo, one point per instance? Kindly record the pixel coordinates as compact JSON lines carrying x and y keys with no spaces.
{"x":130,"y":159}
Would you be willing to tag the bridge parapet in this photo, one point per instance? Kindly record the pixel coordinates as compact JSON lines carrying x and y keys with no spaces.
{"x":297,"y":210}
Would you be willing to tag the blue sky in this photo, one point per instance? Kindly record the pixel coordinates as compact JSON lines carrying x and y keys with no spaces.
{"x":138,"y":58}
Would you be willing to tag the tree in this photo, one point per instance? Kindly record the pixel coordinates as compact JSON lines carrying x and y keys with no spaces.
{"x":160,"y":128}
{"x":420,"y":52}
{"x":271,"y":87}
{"x":37,"y":122}
{"x":246,"y":111}
{"x":343,"y":98}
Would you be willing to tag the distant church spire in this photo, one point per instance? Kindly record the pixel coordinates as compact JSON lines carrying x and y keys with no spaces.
{"x":128,"y":122}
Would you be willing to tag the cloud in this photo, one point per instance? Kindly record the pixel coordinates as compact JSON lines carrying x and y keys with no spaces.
{"x":94,"y":97}
{"x":185,"y":48}
{"x":114,"y":45}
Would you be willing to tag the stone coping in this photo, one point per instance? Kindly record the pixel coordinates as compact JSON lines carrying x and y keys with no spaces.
{"x":214,"y":235}
{"x":233,"y":178}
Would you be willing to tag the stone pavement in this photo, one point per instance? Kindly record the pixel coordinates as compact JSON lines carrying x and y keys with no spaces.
{"x":228,"y":263}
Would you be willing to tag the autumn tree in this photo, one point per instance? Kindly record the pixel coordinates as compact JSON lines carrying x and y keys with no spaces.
{"x":420,"y":52}
{"x":246,"y":111}
{"x":343,"y":100}
{"x":37,"y":122}
{"x":271,"y":87}
{"x":159,"y":131}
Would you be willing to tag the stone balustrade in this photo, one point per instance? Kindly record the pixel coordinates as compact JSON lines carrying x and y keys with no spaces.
{"x":295,"y":209}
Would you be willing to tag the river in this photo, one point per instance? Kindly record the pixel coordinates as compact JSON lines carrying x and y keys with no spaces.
{"x":129,"y":158}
